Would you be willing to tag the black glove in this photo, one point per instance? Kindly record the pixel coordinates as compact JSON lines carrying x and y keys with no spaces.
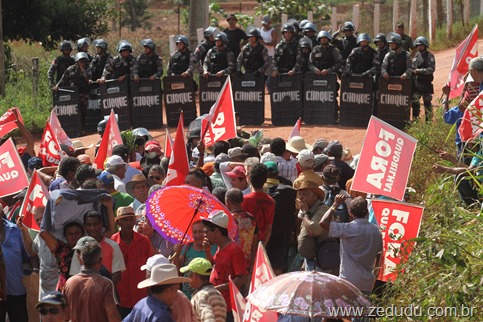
{"x":239,"y":74}
{"x":257,"y":74}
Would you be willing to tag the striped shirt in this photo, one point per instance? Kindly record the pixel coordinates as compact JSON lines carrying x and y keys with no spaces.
{"x":471,"y":92}
{"x":209,"y":304}
{"x":287,"y":169}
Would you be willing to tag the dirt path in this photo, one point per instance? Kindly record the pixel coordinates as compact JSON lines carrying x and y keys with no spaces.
{"x":349,"y":137}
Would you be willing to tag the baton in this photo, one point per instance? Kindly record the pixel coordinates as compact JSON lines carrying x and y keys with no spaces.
{"x":66,"y":90}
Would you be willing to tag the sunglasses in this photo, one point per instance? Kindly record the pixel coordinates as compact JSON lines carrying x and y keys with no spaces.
{"x":52,"y":310}
{"x":155,"y":177}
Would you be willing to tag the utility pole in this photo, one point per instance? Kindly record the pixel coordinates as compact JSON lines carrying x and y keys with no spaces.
{"x":198,"y":19}
{"x":2,"y":56}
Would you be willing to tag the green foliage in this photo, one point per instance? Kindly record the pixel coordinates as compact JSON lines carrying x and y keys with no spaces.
{"x":135,"y":14}
{"x":460,"y":32}
{"x":128,"y":139}
{"x":294,"y":9}
{"x":49,"y":21}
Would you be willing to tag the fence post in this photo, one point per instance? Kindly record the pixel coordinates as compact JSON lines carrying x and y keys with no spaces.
{"x":355,"y":15}
{"x":200,"y":36}
{"x":449,"y":18}
{"x":172,"y":44}
{"x":395,"y":13}
{"x":284,"y":18}
{"x":466,"y":12}
{"x":432,"y":20}
{"x":377,"y":17}
{"x":333,"y":20}
{"x":413,"y":17}
{"x":310,"y":16}
{"x":35,"y":76}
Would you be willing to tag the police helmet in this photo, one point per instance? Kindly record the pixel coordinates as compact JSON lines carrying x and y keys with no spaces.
{"x":83,"y":42}
{"x":210,"y":31}
{"x":380,"y":37}
{"x":362,"y":37}
{"x":421,"y":41}
{"x":81,"y":55}
{"x":65,"y":45}
{"x":303,"y":23}
{"x":124,"y":45}
{"x":101,"y":126}
{"x":101,"y":43}
{"x":253,"y":32}
{"x":309,"y":26}
{"x":348,"y":26}
{"x":305,"y":42}
{"x":194,"y":133}
{"x":288,"y":27}
{"x":221,"y":36}
{"x":183,"y":39}
{"x":395,"y":39}
{"x":323,"y":34}
{"x":148,"y":43}
{"x":294,"y":23}
{"x":140,"y":131}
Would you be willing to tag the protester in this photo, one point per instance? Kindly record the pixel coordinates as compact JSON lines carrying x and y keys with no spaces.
{"x":306,"y":163}
{"x":53,"y":307}
{"x":236,"y":36}
{"x":287,"y":165}
{"x":138,"y":188}
{"x":335,"y":150}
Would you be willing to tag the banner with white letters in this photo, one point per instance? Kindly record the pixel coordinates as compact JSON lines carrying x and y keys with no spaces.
{"x":13,"y":177}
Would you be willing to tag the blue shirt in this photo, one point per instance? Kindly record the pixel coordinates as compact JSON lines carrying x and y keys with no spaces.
{"x":13,"y":254}
{"x":453,"y":116}
{"x":149,"y":309}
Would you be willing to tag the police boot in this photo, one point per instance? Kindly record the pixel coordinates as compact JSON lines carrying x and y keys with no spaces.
{"x":416,"y":110}
{"x":428,"y":108}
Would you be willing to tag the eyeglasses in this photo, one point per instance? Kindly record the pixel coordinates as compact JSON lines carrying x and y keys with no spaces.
{"x":52,"y":310}
{"x":208,"y":229}
{"x":155,"y":177}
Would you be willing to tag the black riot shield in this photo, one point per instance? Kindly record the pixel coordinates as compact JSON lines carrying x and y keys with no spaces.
{"x":356,"y":100}
{"x":286,"y":99}
{"x":249,"y":98}
{"x":394,"y":99}
{"x":66,"y":106}
{"x":209,"y":89}
{"x":146,"y":104}
{"x":93,"y":113}
{"x":320,"y":99}
{"x":115,"y":95}
{"x":179,"y":95}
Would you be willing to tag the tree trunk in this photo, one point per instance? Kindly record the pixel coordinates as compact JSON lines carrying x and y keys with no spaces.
{"x":449,"y":18}
{"x":413,"y":18}
{"x":425,"y":17}
{"x":2,"y":56}
{"x":439,"y":13}
{"x":198,"y":19}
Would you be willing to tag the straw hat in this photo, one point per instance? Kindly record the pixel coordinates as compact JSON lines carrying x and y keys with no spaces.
{"x":163,"y":274}
{"x":297,"y":144}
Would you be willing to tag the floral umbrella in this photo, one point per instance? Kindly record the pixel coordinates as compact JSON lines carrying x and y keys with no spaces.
{"x":171,"y":210}
{"x":309,"y":293}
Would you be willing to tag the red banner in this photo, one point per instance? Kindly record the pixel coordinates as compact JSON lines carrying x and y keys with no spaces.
{"x":178,"y":166}
{"x":7,"y":121}
{"x":57,"y":129}
{"x":262,"y":272}
{"x":13,"y":177}
{"x":168,"y":144}
{"x":36,"y":196}
{"x":466,"y":51}
{"x":470,"y":126}
{"x":111,"y":138}
{"x":238,"y":302}
{"x":399,"y":223}
{"x":385,"y":161}
{"x":50,"y":151}
{"x":296,"y":129}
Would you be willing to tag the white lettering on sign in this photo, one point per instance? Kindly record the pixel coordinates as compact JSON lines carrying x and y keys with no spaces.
{"x":94,"y":104}
{"x":255,"y":96}
{"x":115,"y":102}
{"x":290,"y":95}
{"x":209,"y":96}
{"x":217,"y":128}
{"x":36,"y":193}
{"x":61,"y":110}
{"x":319,"y":96}
{"x":149,"y":101}
{"x":398,"y":100}
{"x":357,"y":98}
{"x":6,"y":159}
{"x":179,"y":98}
{"x":396,"y":234}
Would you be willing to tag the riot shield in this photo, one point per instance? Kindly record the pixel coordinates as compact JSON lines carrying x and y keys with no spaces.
{"x":93,"y":113}
{"x":394,"y":99}
{"x":286,"y":99}
{"x":210,"y":88}
{"x":249,"y":98}
{"x":179,"y":95}
{"x":146,"y":104}
{"x":66,"y":106}
{"x":356,"y":100}
{"x":115,"y":95}
{"x":320,"y":94}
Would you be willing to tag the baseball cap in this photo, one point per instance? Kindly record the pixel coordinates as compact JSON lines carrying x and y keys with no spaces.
{"x":271,"y":166}
{"x":199,"y":265}
{"x":320,"y":144}
{"x":235,"y":152}
{"x":106,"y":178}
{"x":121,"y":150}
{"x":265,"y":20}
{"x":231,"y":16}
{"x":153,"y":146}
{"x":35,"y":163}
{"x":54,"y":298}
{"x":335,"y":148}
{"x":400,"y":25}
{"x":237,"y":172}
{"x":306,"y":158}
{"x":153,"y":261}
{"x":222,"y":157}
{"x":218,"y":218}
{"x":83,"y":241}
{"x":114,"y":160}
{"x":319,"y":159}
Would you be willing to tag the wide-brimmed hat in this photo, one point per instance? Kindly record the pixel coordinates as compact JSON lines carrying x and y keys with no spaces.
{"x":236,"y":152}
{"x":124,"y":212}
{"x":314,"y":187}
{"x":79,"y":146}
{"x":153,"y":261}
{"x":297,"y":144}
{"x":138,"y":178}
{"x":163,"y":274}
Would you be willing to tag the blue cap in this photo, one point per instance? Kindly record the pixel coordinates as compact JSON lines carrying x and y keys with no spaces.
{"x":35,"y":163}
{"x":106,"y":178}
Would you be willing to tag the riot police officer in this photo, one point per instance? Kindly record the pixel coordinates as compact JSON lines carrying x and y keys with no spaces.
{"x":348,"y":42}
{"x":397,"y":61}
{"x":99,"y":61}
{"x":148,"y":64}
{"x":182,"y":61}
{"x":297,"y":30}
{"x":219,"y":60}
{"x":406,"y":40}
{"x":303,"y":56}
{"x":310,"y":31}
{"x":363,"y":59}
{"x":121,"y":66}
{"x":83,"y":46}
{"x":60,"y":63}
{"x":207,"y":44}
{"x":381,"y":50}
{"x":285,"y":52}
{"x":424,"y":65}
{"x":324,"y":57}
{"x":254,"y":56}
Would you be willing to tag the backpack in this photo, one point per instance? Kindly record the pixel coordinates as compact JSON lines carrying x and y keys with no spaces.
{"x":341,"y":214}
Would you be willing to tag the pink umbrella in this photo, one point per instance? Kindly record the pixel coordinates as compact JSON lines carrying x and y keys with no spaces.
{"x":310,"y":293}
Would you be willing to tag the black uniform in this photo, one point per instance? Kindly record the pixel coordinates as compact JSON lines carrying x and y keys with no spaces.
{"x":200,"y":53}
{"x":325,"y":57}
{"x":253,"y":59}
{"x":345,"y":45}
{"x":219,"y":60}
{"x":98,"y":64}
{"x":362,"y":61}
{"x":58,"y":67}
{"x":180,"y":62}
{"x":424,"y":65}
{"x":119,"y":66}
{"x":285,"y":56}
{"x":74,"y":76}
{"x":148,"y":65}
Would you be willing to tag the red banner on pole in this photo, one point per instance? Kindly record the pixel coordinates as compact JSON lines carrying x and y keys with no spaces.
{"x":7,"y":121}
{"x":36,"y":196}
{"x":399,"y":223}
{"x":57,"y":129}
{"x":178,"y":167}
{"x":50,"y":151}
{"x":385,"y":161}
{"x":111,"y":138}
{"x":168,"y":144}
{"x":238,"y":302}
{"x":470,"y":126}
{"x":296,"y":129}
{"x":13,"y":177}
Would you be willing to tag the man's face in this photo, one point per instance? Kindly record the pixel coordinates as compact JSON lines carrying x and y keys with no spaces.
{"x":477,"y":76}
{"x":310,"y":33}
{"x":239,"y":183}
{"x":288,"y":35}
{"x":348,"y":33}
{"x":147,"y":50}
{"x":400,"y":30}
{"x":380,"y":44}
{"x":121,"y":171}
{"x":393,"y":46}
{"x":253,"y":40}
{"x":38,"y":215}
{"x":93,"y":227}
{"x":99,"y":50}
{"x":140,"y":191}
{"x":198,"y":233}
{"x":210,"y":234}
{"x":53,"y":313}
{"x":307,"y":196}
{"x":180,"y":45}
{"x":72,"y":235}
{"x":324,"y":40}
{"x":364,"y":43}
{"x":127,"y":223}
{"x":125,"y":53}
{"x":219,"y":43}
{"x":232,"y":22}
{"x":67,"y":52}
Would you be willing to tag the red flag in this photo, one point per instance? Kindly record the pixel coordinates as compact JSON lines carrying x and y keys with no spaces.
{"x":50,"y":151}
{"x":57,"y":129}
{"x":385,"y":161}
{"x":399,"y":223}
{"x":238,"y":302}
{"x":472,"y":118}
{"x":13,"y":177}
{"x":111,"y":138}
{"x":262,"y":272}
{"x":36,"y":196}
{"x":466,"y":51}
{"x":296,"y":129}
{"x":7,"y":121}
{"x":221,"y":118}
{"x":178,"y":166}
{"x":168,"y":144}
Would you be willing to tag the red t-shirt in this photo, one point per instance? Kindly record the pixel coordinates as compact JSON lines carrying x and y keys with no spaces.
{"x":229,"y":261}
{"x":262,"y":207}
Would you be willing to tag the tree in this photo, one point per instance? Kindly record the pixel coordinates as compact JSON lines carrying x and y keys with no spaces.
{"x":135,"y":14}
{"x":49,"y":21}
{"x":294,"y":9}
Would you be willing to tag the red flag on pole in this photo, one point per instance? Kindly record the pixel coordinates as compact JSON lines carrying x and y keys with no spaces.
{"x":238,"y":302}
{"x":168,"y":144}
{"x":178,"y":166}
{"x":36,"y":196}
{"x":50,"y":151}
{"x":399,"y":223}
{"x":466,"y":51}
{"x":57,"y":129}
{"x":296,"y":129}
{"x":111,"y":138}
{"x":470,"y":126}
{"x":7,"y":121}
{"x":13,"y":177}
{"x":385,"y":161}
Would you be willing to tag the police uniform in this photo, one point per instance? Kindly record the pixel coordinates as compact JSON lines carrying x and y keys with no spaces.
{"x":73,"y":76}
{"x":217,"y":60}
{"x":285,"y":56}
{"x":397,"y":63}
{"x":424,"y":65}
{"x":200,"y":53}
{"x":345,"y":45}
{"x":302,"y":64}
{"x":182,"y":61}
{"x":253,"y":58}
{"x":58,"y":67}
{"x":98,"y":64}
{"x":362,"y":61}
{"x":327,"y":57}
{"x":148,"y":65}
{"x":407,"y":42}
{"x":119,"y":66}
